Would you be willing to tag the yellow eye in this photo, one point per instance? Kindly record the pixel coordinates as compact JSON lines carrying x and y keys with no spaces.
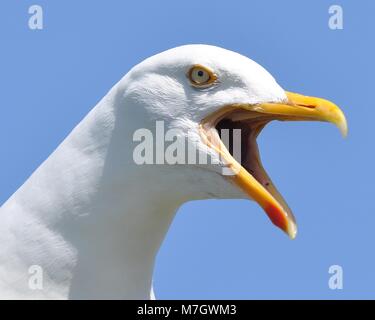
{"x":201,"y":76}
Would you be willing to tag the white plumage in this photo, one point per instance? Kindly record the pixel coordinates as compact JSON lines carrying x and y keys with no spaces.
{"x":92,"y":218}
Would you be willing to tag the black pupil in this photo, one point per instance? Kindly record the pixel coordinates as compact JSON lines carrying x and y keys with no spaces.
{"x":200,"y":73}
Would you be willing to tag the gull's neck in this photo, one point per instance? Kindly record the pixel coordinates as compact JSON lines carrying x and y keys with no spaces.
{"x":89,"y":217}
{"x":116,"y":256}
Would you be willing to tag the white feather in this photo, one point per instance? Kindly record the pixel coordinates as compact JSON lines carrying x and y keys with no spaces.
{"x":92,"y":218}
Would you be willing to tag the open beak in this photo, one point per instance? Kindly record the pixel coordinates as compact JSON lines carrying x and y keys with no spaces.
{"x":245,"y":166}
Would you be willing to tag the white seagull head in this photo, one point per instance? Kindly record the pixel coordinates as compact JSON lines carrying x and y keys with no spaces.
{"x":201,"y":91}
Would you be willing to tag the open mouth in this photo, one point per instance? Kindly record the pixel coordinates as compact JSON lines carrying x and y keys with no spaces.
{"x":249,"y":125}
{"x":232,"y":132}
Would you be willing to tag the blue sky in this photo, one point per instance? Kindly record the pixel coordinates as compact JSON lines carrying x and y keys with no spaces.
{"x":51,"y":78}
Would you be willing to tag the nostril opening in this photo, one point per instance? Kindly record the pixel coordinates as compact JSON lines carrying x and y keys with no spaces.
{"x":310,"y":106}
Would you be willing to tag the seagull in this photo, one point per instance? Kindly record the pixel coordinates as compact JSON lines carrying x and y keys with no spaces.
{"x":88,"y":223}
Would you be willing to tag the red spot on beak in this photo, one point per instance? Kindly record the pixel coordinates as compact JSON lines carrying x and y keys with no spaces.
{"x":277,"y":217}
